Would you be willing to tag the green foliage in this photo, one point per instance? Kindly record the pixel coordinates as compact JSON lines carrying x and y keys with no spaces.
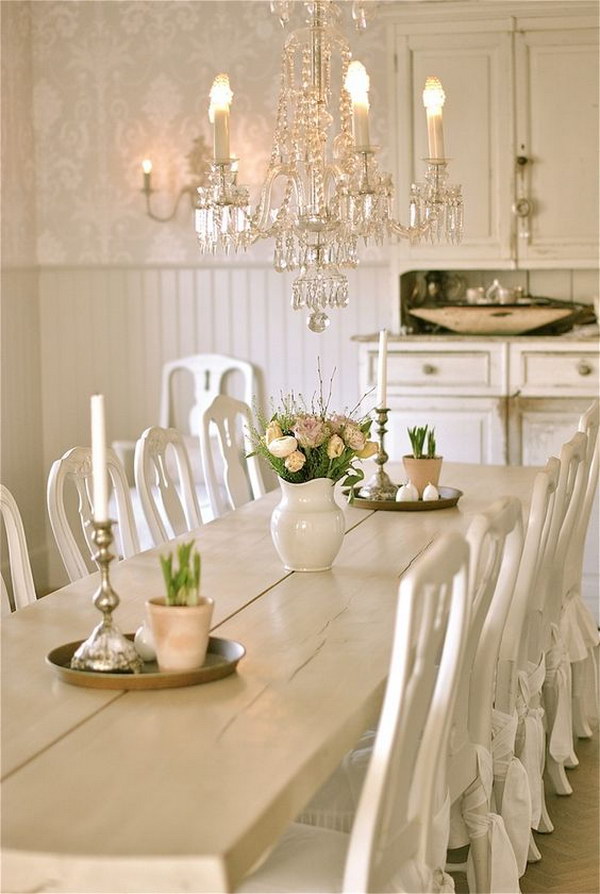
{"x":422,"y":440}
{"x":182,"y":583}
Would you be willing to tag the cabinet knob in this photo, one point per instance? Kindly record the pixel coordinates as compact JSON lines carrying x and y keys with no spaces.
{"x":522,"y":208}
{"x":584,"y":368}
{"x":428,"y":369}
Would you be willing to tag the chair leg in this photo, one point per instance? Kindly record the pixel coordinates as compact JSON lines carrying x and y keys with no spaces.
{"x":545,"y":824}
{"x":534,"y":855}
{"x":558,"y":777}
{"x":582,"y":678}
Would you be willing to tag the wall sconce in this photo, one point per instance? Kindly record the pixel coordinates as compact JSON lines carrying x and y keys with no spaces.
{"x":199,"y":159}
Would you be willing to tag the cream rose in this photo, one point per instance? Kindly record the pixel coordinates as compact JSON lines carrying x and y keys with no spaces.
{"x":354,"y":437}
{"x":294,"y":461}
{"x":370,"y":449}
{"x":273,"y":431}
{"x":335,"y":447}
{"x":283,"y":447}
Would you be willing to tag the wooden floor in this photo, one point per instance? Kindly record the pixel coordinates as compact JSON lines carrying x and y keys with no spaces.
{"x":570,"y":861}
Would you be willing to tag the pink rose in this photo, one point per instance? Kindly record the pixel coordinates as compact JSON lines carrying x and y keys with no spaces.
{"x":310,"y":431}
{"x":294,"y":461}
{"x":353,"y":436}
{"x":337,"y":423}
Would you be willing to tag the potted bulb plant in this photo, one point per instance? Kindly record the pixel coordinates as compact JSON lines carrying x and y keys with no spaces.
{"x":423,"y":467}
{"x":180,"y":621}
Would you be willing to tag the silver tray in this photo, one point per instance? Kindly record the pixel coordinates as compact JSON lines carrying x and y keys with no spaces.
{"x":221,"y":660}
{"x":449,"y":496}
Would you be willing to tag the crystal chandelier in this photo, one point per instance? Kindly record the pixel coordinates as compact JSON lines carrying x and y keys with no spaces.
{"x":324,"y":191}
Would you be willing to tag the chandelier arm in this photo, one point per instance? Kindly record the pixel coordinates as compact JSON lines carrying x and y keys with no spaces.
{"x":185,"y":190}
{"x":260,"y":223}
{"x":411,"y":232}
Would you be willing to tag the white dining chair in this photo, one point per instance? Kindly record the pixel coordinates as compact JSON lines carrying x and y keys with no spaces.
{"x":75,"y":467}
{"x":23,"y":588}
{"x":578,"y":626}
{"x":518,"y":738}
{"x":169,"y":504}
{"x":557,"y":689}
{"x":188,"y":386}
{"x":389,"y":845}
{"x":229,"y":419}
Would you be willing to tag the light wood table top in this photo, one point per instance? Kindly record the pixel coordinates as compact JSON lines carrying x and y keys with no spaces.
{"x":183,"y":789}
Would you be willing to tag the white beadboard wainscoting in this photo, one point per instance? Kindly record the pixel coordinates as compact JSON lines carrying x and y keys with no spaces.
{"x":110,"y":329}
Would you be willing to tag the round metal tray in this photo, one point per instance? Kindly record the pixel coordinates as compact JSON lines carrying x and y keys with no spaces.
{"x":449,"y":496}
{"x":221,"y":660}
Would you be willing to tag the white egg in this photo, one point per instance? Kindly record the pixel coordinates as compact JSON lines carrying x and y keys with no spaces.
{"x":431,"y":492}
{"x":144,"y":643}
{"x":407,"y":493}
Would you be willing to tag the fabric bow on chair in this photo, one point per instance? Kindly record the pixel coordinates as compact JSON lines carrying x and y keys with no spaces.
{"x":511,"y":785}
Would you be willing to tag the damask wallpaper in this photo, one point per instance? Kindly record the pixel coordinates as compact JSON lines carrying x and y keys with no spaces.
{"x":116,"y":82}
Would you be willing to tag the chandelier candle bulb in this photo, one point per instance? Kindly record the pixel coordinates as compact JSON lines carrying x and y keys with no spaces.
{"x":357,"y":85}
{"x":147,"y":171}
{"x":218,"y":115}
{"x":382,"y":369}
{"x":99,"y":475}
{"x":433,"y":100}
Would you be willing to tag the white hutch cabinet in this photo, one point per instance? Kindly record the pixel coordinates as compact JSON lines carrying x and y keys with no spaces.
{"x":491,"y":400}
{"x":521,"y":127}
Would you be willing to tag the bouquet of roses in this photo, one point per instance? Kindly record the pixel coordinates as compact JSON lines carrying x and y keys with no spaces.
{"x":301,"y":444}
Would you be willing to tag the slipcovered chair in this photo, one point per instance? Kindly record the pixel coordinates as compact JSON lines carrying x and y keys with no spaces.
{"x":388,"y":848}
{"x":495,"y":538}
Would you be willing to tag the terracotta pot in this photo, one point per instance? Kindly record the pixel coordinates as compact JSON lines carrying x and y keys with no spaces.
{"x":180,"y":633}
{"x":307,"y":526}
{"x":423,"y":471}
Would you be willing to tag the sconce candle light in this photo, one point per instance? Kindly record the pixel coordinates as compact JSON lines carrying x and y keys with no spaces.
{"x":357,"y":85}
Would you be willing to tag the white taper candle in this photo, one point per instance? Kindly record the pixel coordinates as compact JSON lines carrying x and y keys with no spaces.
{"x":218,"y":114}
{"x":433,"y":100}
{"x":99,"y":473}
{"x":382,"y":369}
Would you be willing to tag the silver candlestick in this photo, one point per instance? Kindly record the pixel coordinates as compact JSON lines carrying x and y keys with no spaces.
{"x":379,"y":486}
{"x":106,"y":650}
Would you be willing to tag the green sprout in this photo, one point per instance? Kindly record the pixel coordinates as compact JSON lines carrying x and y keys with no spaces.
{"x":183,"y":583}
{"x":422,"y":440}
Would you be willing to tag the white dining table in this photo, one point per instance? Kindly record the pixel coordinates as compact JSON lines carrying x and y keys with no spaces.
{"x":184,"y":789}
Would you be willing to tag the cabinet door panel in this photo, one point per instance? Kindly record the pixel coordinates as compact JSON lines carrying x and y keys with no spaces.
{"x":467,"y":430}
{"x":476,"y":75}
{"x":557,"y":130}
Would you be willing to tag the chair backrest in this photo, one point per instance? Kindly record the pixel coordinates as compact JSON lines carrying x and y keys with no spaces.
{"x":230,"y":419}
{"x":20,"y":568}
{"x":180,"y":509}
{"x":75,"y":466}
{"x":495,"y":538}
{"x":391,"y":824}
{"x":522,"y":622}
{"x":568,"y":505}
{"x":588,"y":424}
{"x":209,"y":372}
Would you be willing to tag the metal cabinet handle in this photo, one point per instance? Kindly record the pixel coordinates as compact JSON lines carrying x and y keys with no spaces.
{"x":428,"y":369}
{"x":584,"y":368}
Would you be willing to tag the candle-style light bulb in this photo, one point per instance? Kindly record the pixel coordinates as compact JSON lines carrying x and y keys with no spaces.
{"x":357,"y":84}
{"x":147,"y":171}
{"x":221,"y":96}
{"x":433,"y":100}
